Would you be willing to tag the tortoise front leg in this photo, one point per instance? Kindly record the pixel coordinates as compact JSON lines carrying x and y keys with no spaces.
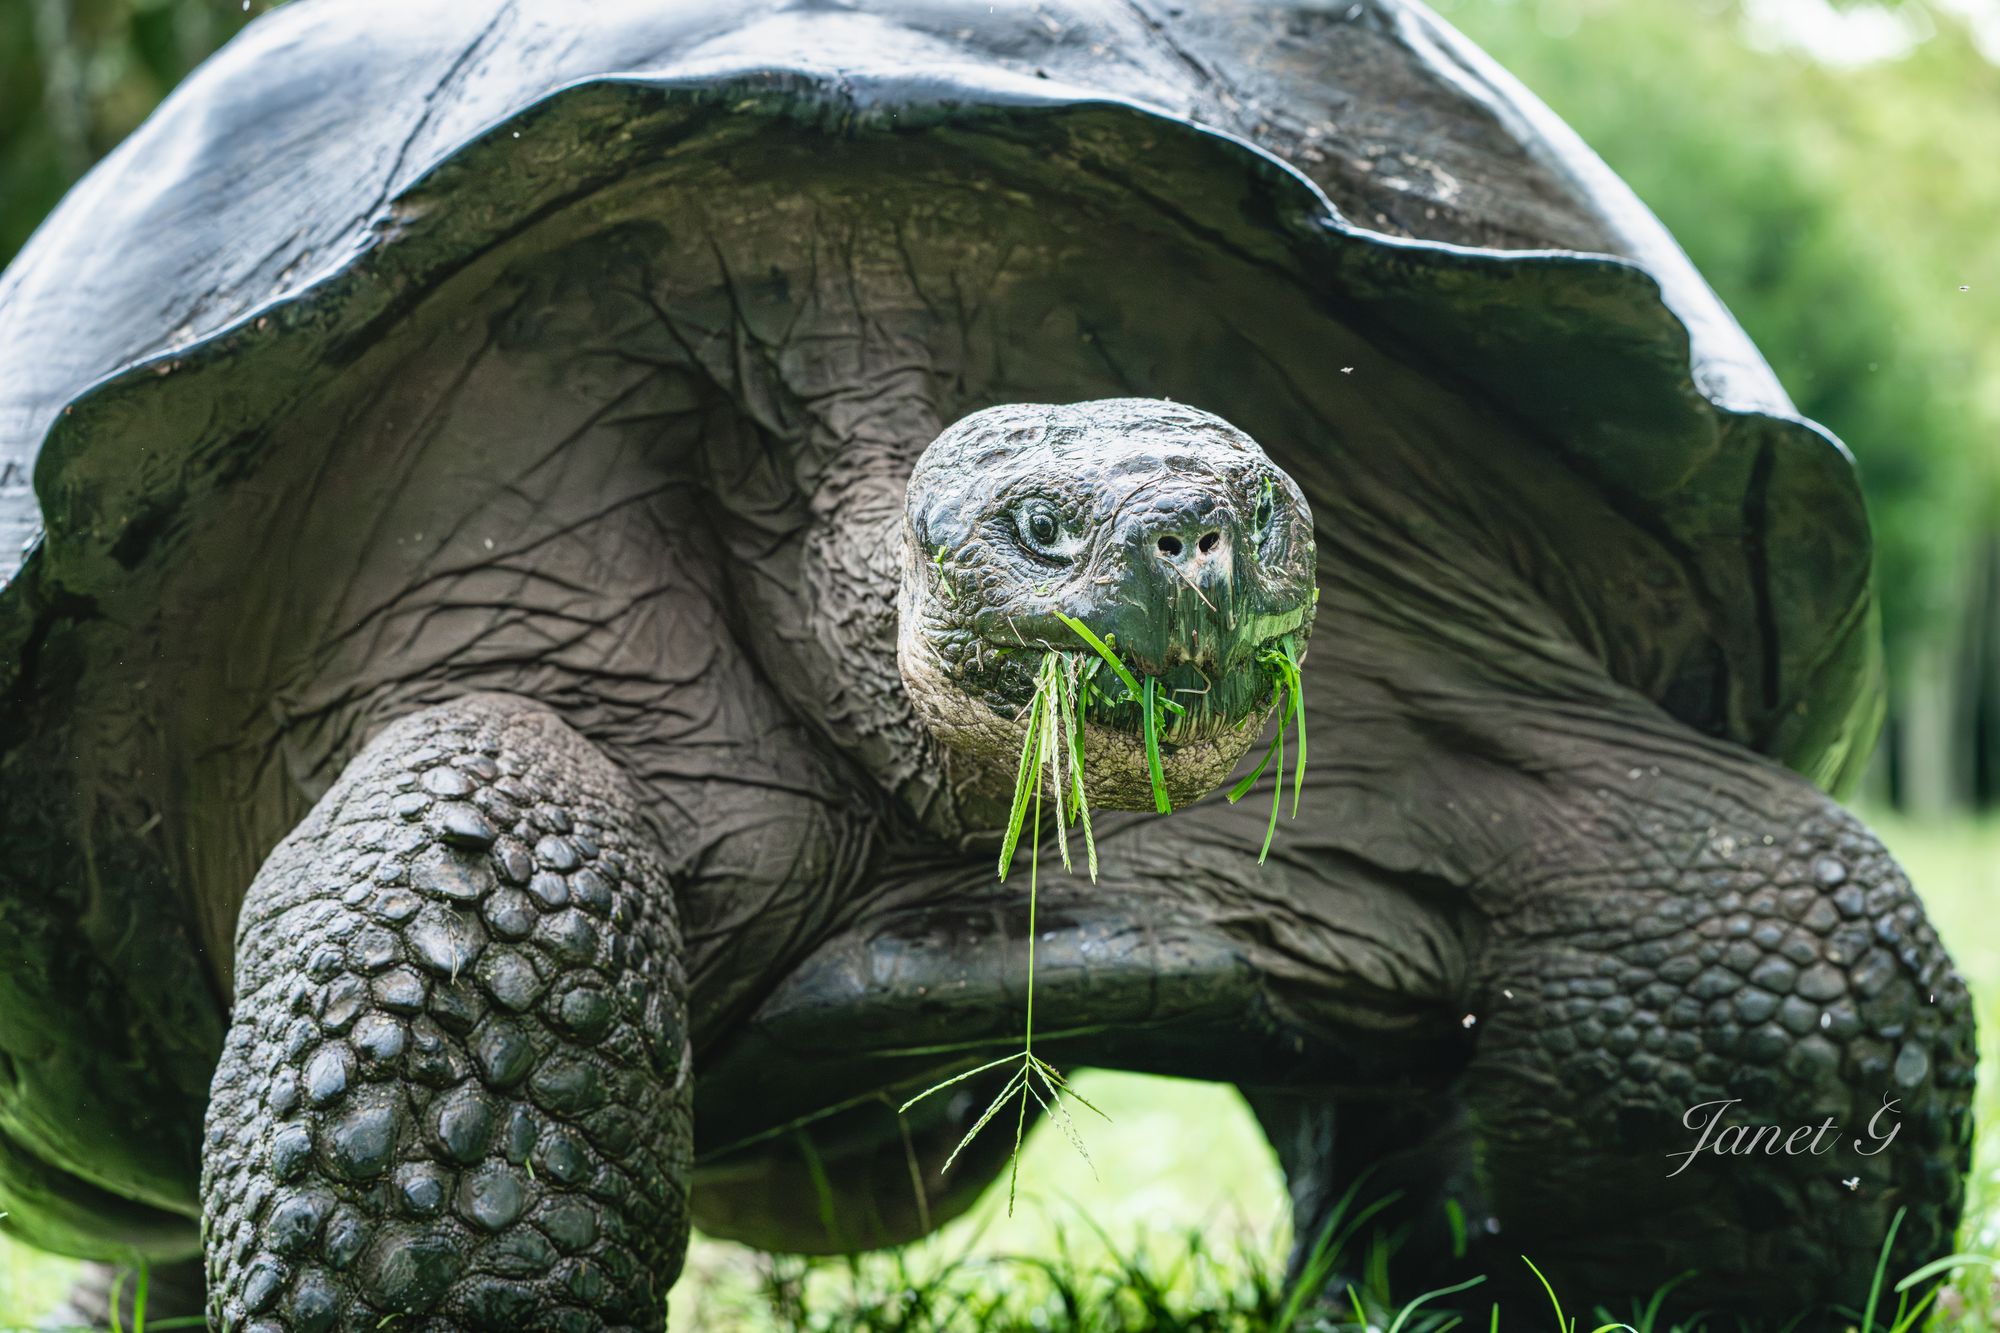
{"x":1681,"y":929}
{"x":456,"y":1082}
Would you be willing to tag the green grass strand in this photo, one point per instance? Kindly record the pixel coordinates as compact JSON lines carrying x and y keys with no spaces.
{"x":1153,"y":767}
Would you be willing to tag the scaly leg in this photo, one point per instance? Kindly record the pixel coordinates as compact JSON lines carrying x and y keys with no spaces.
{"x":456,"y":1085}
{"x":1693,"y":932}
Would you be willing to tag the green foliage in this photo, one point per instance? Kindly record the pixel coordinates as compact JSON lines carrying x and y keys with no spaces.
{"x":134,"y":1282}
{"x":1843,"y":213}
{"x":77,"y":76}
{"x":1205,"y":1285}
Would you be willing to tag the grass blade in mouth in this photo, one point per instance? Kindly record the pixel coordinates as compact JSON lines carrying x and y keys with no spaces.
{"x":1277,"y":799}
{"x":1069,"y":715}
{"x":1027,"y":773}
{"x":1053,"y":745}
{"x":1084,"y":632}
{"x":1242,"y":789}
{"x":1294,"y":681}
{"x":1282,"y":662}
{"x":1153,"y":769}
{"x":1153,"y":706}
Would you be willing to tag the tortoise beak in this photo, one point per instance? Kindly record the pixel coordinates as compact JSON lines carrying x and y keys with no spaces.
{"x":1175,"y":599}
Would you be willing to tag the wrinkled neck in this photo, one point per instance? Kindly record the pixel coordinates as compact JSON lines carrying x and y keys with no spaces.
{"x":819,"y":590}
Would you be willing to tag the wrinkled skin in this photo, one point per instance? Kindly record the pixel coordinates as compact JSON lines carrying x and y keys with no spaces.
{"x":453,"y":1085}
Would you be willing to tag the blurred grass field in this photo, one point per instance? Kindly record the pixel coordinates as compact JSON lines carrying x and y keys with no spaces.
{"x":1183,"y":1226}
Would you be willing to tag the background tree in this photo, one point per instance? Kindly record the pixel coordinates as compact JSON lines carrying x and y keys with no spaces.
{"x":76,"y":76}
{"x":1831,"y":172}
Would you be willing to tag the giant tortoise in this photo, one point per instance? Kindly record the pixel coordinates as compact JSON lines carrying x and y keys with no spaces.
{"x":536,"y":524}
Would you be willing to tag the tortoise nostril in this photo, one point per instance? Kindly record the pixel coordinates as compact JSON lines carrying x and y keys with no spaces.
{"x":1207,"y":542}
{"x":1170,"y":546}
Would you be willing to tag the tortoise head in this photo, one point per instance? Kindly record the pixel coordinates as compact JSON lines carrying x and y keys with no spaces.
{"x":1163,"y":530}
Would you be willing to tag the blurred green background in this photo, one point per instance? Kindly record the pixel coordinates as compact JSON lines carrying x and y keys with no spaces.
{"x":1834,"y":171}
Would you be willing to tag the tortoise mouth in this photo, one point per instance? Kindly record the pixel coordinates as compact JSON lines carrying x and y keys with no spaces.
{"x":1198,"y":699}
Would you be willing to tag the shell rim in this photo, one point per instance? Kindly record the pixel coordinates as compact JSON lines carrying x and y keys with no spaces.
{"x":955,"y":96}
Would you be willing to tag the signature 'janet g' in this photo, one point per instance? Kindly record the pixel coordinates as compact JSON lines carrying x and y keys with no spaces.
{"x":1740,"y":1139}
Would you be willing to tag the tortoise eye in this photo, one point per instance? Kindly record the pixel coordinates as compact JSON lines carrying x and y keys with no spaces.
{"x":1260,"y":520}
{"x":1043,"y":532}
